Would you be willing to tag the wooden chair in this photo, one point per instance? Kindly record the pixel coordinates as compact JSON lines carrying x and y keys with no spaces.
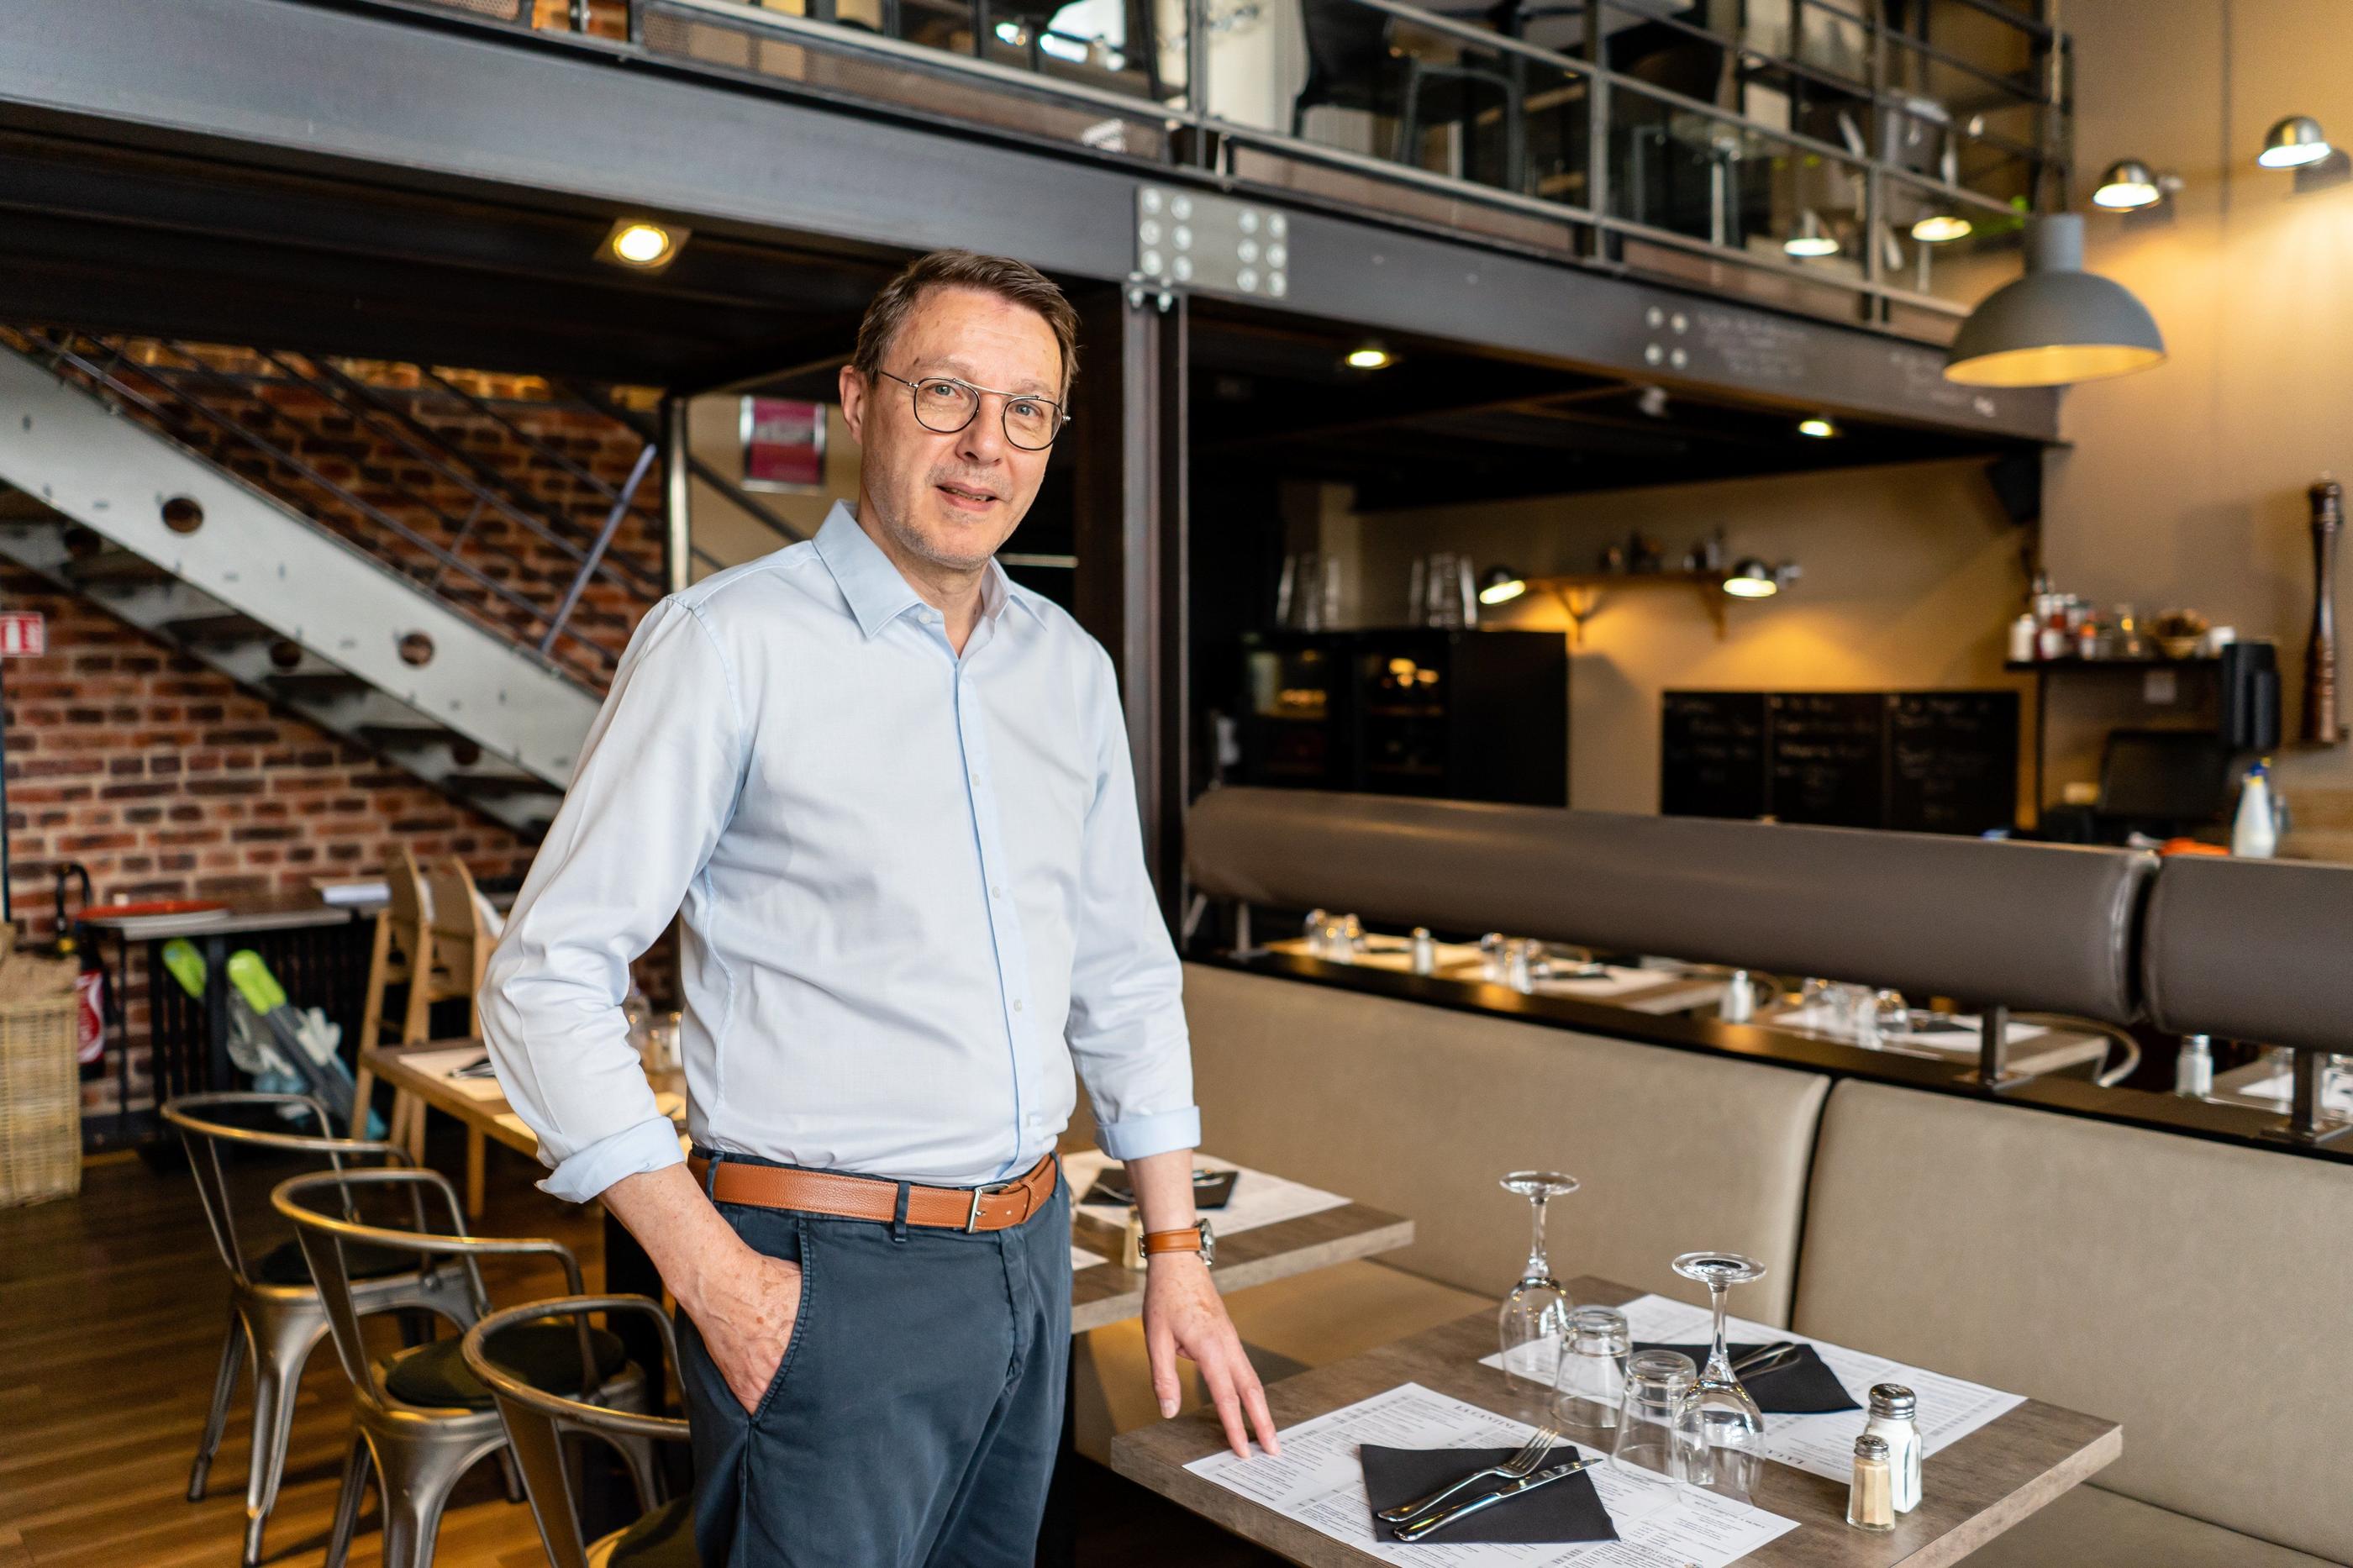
{"x":403,"y":951}
{"x":461,"y":942}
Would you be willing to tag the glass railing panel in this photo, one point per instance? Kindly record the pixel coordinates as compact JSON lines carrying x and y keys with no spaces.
{"x":1944,"y":246}
{"x":1972,"y":34}
{"x":1396,"y":86}
{"x":1712,"y":178}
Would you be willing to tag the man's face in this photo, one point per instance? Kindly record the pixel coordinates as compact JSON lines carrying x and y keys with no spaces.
{"x":953,"y":499}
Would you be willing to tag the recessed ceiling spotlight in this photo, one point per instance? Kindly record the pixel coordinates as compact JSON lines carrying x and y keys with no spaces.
{"x":1820,"y":428}
{"x":1370,"y":356}
{"x":642,"y":244}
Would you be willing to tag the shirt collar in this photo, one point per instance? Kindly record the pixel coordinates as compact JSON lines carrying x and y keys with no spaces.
{"x":876,"y":593}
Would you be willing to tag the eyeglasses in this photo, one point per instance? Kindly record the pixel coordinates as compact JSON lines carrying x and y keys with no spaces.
{"x":945,"y":405}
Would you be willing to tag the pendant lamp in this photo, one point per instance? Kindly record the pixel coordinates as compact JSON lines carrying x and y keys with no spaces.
{"x":2056,"y":325}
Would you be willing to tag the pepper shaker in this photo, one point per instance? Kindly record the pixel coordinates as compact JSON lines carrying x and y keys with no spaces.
{"x":1870,"y":1504}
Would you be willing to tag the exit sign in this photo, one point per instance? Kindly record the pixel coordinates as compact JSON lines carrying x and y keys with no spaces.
{"x":23,"y":634}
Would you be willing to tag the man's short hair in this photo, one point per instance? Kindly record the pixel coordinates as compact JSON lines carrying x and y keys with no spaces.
{"x":1016,"y":281}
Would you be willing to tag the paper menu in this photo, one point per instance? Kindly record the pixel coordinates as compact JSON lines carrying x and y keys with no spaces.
{"x":1950,"y":1407}
{"x":1081,"y":1258}
{"x":1258,"y":1199}
{"x":1319,"y":1481}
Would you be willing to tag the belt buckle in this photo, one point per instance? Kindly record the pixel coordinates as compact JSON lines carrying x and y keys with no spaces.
{"x":996,"y":1189}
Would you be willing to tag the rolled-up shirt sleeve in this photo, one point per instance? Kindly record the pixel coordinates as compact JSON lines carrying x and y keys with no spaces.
{"x":654,"y":788}
{"x":1126,"y":1029}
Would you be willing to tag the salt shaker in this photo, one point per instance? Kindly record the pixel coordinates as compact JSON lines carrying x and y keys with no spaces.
{"x":1870,"y":1504}
{"x":1424,"y":952}
{"x":1893,"y":1412}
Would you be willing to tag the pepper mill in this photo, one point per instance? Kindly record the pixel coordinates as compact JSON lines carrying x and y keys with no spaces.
{"x":2323,"y":725}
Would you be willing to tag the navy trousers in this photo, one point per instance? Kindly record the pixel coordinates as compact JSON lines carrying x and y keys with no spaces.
{"x":916,"y":1419}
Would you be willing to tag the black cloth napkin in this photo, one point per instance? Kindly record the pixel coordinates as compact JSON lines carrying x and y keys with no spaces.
{"x":1797,"y":1384}
{"x":1560,"y":1511}
{"x":1211,"y":1191}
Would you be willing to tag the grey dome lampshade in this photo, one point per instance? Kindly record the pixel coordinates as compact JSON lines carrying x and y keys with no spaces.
{"x":2056,"y":325}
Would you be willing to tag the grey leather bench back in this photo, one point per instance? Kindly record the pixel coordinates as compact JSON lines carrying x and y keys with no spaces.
{"x":2193,"y":1291}
{"x":1419,"y":1109}
{"x":2252,"y":949}
{"x":2032,"y":925}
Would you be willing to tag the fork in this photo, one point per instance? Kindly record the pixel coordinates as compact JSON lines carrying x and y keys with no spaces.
{"x":1519,"y":1466}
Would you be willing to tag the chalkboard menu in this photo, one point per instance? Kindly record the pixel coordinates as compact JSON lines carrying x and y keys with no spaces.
{"x":1952,"y":761}
{"x":1825,"y":757}
{"x":1927,"y":761}
{"x":1712,"y":753}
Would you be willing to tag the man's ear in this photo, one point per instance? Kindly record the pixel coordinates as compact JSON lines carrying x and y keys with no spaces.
{"x":852,"y":387}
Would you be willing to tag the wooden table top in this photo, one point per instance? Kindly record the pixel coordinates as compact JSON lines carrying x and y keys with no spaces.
{"x":1102,"y":1294}
{"x":1972,"y":1492}
{"x":2053,"y":1050}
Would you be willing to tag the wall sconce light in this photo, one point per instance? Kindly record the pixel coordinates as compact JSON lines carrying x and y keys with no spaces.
{"x":1942,"y":229}
{"x":1500,"y":586}
{"x":2129,"y":183}
{"x":1752,"y":579}
{"x":1820,"y":428}
{"x":1810,"y":239}
{"x":641,"y":244}
{"x":2291,"y":143}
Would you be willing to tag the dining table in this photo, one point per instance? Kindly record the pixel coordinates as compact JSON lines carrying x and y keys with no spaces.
{"x":1979,"y":1486}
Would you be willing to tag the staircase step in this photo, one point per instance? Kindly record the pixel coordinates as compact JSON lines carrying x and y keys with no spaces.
{"x":322,"y":686}
{"x":109,"y":567}
{"x":408,"y":737}
{"x":232,"y":627}
{"x":499,"y":785}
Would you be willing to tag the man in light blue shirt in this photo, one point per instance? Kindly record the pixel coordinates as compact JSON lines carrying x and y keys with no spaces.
{"x":888,"y":791}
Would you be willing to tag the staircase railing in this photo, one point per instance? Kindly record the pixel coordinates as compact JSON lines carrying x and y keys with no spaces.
{"x":312,"y":434}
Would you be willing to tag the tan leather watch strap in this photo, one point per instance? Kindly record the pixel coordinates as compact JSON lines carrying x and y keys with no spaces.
{"x":1186,"y":1240}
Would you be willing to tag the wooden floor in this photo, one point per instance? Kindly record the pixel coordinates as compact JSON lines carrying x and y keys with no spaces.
{"x":112,"y":1308}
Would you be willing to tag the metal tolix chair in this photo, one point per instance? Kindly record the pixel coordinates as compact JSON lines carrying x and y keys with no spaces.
{"x":537,"y":1422}
{"x":421,"y":1419}
{"x":275,"y":1314}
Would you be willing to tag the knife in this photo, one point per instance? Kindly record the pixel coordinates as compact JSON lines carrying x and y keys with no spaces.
{"x":1440,"y":1520}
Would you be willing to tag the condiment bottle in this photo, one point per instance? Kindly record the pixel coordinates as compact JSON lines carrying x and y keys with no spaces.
{"x":2194,"y":1069}
{"x":1893,"y":1412}
{"x":2255,"y":832}
{"x":1870,"y":1502}
{"x":1130,"y":1253}
{"x":2022,"y":639}
{"x":1424,"y":952}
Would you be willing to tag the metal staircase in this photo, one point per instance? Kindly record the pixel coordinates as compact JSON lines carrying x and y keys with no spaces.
{"x":194,"y":505}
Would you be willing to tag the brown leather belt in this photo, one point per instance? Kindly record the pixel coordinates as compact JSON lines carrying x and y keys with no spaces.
{"x":999,"y":1207}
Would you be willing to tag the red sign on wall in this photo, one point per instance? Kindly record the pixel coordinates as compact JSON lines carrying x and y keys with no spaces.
{"x":23,"y":634}
{"x":784,"y":444}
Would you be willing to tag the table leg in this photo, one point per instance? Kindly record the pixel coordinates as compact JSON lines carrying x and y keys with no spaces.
{"x":221,"y":1073}
{"x":474,"y":1172}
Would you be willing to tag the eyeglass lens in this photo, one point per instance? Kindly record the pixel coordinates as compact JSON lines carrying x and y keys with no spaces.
{"x":947,"y":407}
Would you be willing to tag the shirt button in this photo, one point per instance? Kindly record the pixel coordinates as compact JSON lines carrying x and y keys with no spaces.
{"x":976,"y":779}
{"x":996,"y":890}
{"x":1017,"y":1004}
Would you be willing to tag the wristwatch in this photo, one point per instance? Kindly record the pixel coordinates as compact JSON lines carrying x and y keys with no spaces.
{"x":1197,"y":1238}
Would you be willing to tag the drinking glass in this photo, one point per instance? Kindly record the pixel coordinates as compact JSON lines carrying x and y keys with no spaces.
{"x":1492,"y":950}
{"x":1587,"y":1391}
{"x":1889,"y":1016}
{"x":1655,"y":1439}
{"x":1534,"y":1316}
{"x":1726,"y":1427}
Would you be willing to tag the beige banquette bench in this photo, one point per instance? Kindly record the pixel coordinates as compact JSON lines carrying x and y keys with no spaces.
{"x":2199,"y":1292}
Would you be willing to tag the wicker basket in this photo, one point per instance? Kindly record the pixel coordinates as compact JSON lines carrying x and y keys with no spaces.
{"x":40,"y":1101}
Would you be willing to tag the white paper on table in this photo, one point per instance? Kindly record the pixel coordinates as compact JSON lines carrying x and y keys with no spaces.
{"x":1320,"y":1481}
{"x":1258,"y":1199}
{"x":1081,"y":1258}
{"x":1950,"y":1407}
{"x":2336,"y":1091}
{"x":1821,"y":1020}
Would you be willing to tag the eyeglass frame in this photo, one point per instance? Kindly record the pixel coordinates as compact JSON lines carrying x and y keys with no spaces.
{"x":1061,"y":414}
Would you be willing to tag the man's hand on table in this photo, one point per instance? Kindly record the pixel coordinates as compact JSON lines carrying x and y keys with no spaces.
{"x":1185,"y":1316}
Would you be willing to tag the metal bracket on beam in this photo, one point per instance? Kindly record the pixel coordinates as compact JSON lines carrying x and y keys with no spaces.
{"x":1194,"y":239}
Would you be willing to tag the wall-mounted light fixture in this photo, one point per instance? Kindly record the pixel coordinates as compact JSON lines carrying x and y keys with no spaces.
{"x":1500,"y":586}
{"x":1812,"y":239}
{"x":1750,"y":578}
{"x":1942,"y":229}
{"x":2058,"y":323}
{"x":2128,"y":183}
{"x":2294,"y":143}
{"x":641,"y":244}
{"x":1820,"y":428}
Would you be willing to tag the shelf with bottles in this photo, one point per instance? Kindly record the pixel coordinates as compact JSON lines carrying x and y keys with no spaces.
{"x":2152,"y":661}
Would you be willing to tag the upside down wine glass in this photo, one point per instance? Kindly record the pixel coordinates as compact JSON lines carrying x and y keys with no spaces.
{"x":1533,"y":1319}
{"x":1725,"y":1426}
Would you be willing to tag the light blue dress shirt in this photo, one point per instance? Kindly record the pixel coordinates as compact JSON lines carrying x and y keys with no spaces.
{"x":912,"y":890}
